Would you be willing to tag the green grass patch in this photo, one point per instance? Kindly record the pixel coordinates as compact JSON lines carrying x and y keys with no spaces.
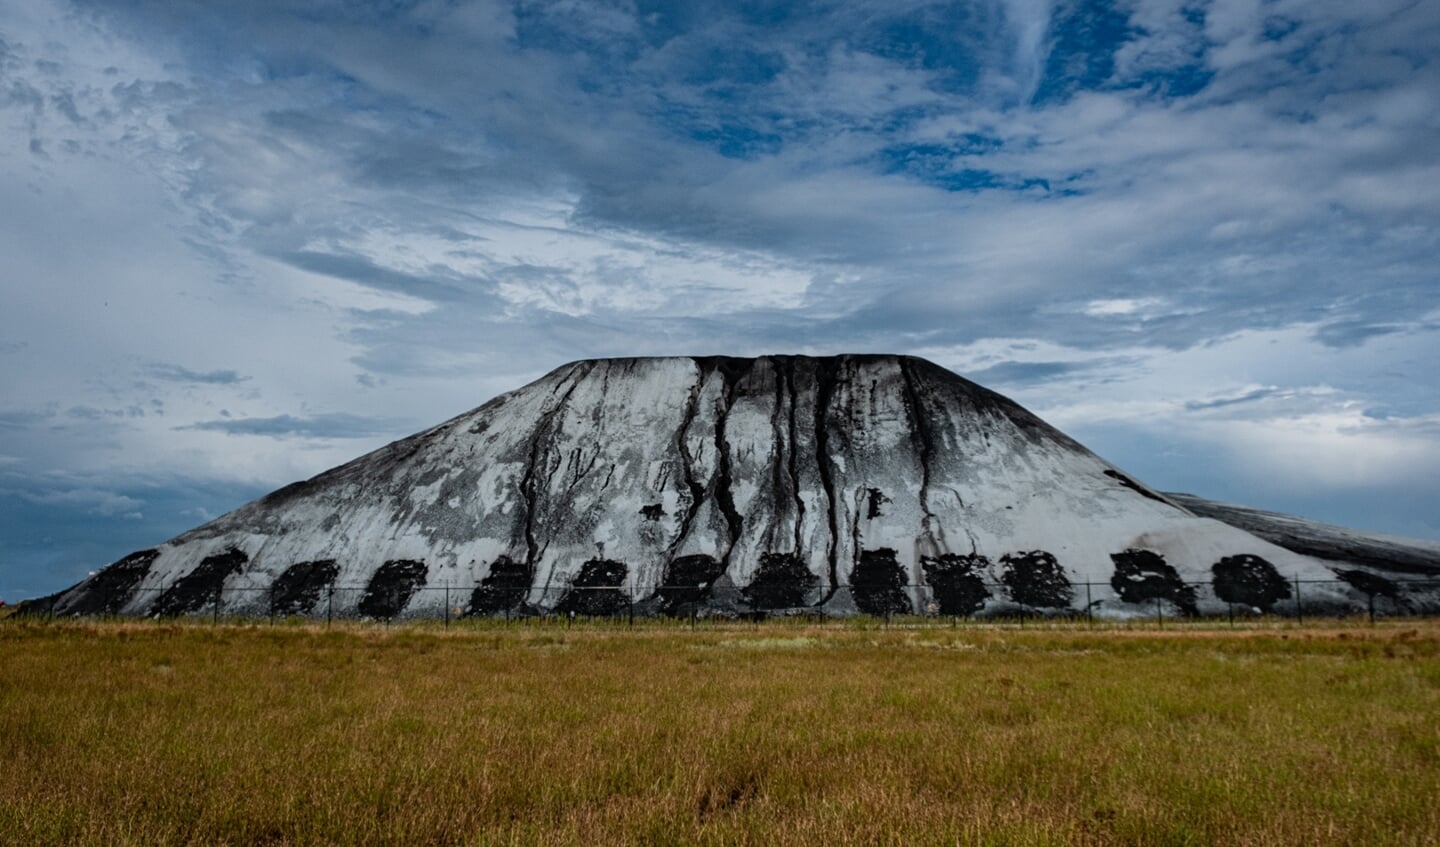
{"x":173,"y":733}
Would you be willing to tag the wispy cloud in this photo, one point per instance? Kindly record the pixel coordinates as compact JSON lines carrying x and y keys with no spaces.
{"x":337,"y":425}
{"x":1249,"y":396}
{"x":176,"y":373}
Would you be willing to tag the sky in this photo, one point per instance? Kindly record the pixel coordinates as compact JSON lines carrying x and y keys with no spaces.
{"x":246,"y":242}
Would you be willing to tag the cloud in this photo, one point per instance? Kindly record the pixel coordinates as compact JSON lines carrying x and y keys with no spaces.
{"x":1250,"y":396}
{"x":1352,"y":333}
{"x":337,"y":425}
{"x":1121,"y":306}
{"x":94,"y":501}
{"x":1010,"y":373}
{"x":23,"y":419}
{"x":176,"y":373}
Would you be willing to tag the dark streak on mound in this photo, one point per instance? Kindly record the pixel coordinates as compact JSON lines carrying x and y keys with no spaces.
{"x":297,"y":590}
{"x":688,"y":580}
{"x":826,"y":378}
{"x":1371,"y":584}
{"x":1036,"y":579}
{"x":1248,"y":580}
{"x":732,"y":371}
{"x":924,"y":441}
{"x":1136,"y":487}
{"x":201,"y":586}
{"x":878,"y":584}
{"x":107,"y":592}
{"x":391,"y":588}
{"x":502,"y":589}
{"x":876,"y":499}
{"x":957,"y":582}
{"x":781,"y":582}
{"x":1144,"y":575}
{"x":596,"y":589}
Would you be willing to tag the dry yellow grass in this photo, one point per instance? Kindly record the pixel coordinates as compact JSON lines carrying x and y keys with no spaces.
{"x":147,"y":733}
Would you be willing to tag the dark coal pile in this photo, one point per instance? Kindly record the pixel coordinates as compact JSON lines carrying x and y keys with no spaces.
{"x":503,"y":589}
{"x":1142,"y":576}
{"x":596,"y":590}
{"x":781,"y":582}
{"x":957,"y":581}
{"x":878,"y":584}
{"x":112,"y":588}
{"x":391,"y":588}
{"x":297,"y":591}
{"x":1036,"y":579}
{"x":202,"y":586}
{"x":688,"y":583}
{"x":1249,"y":581}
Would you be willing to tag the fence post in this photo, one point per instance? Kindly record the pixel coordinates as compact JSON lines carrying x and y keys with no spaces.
{"x":215,"y":618}
{"x":1232,"y":613}
{"x":1089,"y":607}
{"x":1372,"y":608}
{"x":1299,"y":609}
{"x":329,"y":605}
{"x":1159,"y":614}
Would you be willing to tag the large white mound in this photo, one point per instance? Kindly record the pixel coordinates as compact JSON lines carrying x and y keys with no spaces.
{"x":877,"y":484}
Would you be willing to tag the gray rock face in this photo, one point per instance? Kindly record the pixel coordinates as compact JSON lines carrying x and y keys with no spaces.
{"x":848,"y":484}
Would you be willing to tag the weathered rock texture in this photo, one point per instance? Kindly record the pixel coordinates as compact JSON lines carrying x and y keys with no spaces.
{"x":848,"y":484}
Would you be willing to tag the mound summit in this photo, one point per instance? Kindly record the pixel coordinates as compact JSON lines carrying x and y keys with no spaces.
{"x":716,"y":485}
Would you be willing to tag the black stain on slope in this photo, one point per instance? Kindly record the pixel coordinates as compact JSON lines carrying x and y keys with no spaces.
{"x":876,"y":499}
{"x":595,"y":590}
{"x":107,"y":592}
{"x":1371,"y":584}
{"x":1035,"y":578}
{"x":781,"y":582}
{"x":502,"y":589}
{"x":732,"y":371}
{"x":1143,"y":575}
{"x":203,"y":585}
{"x":540,"y":437}
{"x":1136,"y":487}
{"x":391,"y":588}
{"x":923,"y":439}
{"x":688,"y":580}
{"x":1248,"y":580}
{"x":827,"y":377}
{"x":878,"y":583}
{"x":298,"y":589}
{"x":957,"y":582}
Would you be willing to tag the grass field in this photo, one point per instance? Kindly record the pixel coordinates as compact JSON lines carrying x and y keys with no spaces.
{"x":147,"y":733}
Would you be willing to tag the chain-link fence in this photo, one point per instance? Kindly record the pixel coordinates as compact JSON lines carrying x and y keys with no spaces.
{"x":970,"y":599}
